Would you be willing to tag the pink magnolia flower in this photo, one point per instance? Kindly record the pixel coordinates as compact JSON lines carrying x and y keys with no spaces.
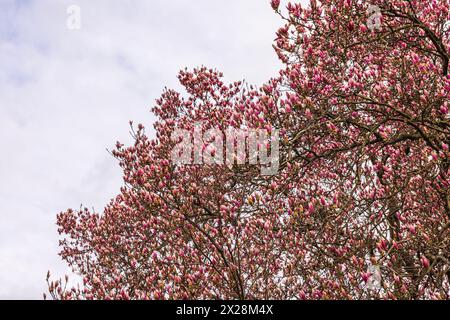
{"x":275,"y":4}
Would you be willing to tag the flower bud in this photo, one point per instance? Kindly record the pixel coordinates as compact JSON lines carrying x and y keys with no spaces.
{"x":275,"y":4}
{"x":425,"y":262}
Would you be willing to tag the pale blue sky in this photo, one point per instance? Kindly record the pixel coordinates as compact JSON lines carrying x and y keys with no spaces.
{"x":66,"y":96}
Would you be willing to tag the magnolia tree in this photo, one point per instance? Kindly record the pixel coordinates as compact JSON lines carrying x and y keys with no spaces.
{"x":359,"y":207}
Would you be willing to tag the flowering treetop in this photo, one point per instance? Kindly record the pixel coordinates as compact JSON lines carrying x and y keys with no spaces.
{"x":360,"y":207}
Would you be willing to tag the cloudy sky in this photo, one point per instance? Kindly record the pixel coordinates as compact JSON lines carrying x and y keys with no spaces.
{"x":67,"y":95}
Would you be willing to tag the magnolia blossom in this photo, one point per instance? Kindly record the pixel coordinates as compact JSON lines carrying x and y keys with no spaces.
{"x":363,"y":180}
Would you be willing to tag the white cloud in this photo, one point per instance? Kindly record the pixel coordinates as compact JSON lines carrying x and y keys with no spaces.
{"x":66,"y":96}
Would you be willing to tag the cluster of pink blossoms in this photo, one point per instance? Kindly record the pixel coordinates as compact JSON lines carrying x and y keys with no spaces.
{"x":363,"y":183}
